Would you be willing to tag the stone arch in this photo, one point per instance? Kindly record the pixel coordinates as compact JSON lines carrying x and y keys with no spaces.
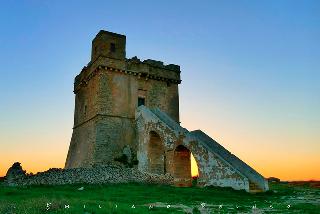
{"x":182,"y":166}
{"x":156,"y":154}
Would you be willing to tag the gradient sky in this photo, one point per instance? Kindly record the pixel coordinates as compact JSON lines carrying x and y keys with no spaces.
{"x":250,"y":74}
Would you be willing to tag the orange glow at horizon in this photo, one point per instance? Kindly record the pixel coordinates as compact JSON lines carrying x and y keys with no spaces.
{"x":36,"y":161}
{"x":36,"y":157}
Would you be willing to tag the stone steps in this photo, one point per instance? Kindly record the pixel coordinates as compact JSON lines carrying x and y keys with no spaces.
{"x":252,"y":175}
{"x":230,"y":162}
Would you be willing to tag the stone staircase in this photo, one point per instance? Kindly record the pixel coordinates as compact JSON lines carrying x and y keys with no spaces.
{"x":257,"y":183}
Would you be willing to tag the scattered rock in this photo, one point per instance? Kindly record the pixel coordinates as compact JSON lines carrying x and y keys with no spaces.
{"x":16,"y":176}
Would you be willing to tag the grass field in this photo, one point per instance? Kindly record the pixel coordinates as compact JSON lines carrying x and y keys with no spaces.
{"x":138,"y":198}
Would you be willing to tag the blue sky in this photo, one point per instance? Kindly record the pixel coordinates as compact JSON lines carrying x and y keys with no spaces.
{"x":250,"y":71}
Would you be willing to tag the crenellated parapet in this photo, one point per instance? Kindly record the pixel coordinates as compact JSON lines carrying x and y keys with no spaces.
{"x":108,"y":54}
{"x":147,"y":69}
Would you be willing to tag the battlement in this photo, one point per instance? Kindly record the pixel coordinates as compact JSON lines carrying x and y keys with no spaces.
{"x":109,"y":54}
{"x":155,"y":63}
{"x":147,"y":69}
{"x":113,"y":45}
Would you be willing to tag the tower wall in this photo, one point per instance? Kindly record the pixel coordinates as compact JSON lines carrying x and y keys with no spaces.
{"x":107,"y":92}
{"x":83,"y":140}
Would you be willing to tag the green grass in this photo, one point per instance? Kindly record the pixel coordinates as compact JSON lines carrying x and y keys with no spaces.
{"x":33,"y":199}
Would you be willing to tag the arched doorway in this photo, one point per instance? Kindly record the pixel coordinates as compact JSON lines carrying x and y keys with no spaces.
{"x":156,"y":154}
{"x":182,"y":166}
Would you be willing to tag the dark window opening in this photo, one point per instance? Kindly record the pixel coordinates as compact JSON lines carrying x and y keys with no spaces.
{"x":165,"y":161}
{"x":141,"y":101}
{"x":112,"y":47}
{"x":85,"y":110}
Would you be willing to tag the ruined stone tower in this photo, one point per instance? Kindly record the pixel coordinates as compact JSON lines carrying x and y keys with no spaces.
{"x":127,"y":113}
{"x":108,"y":91}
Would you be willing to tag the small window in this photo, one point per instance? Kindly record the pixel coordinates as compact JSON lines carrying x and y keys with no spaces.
{"x":85,"y":110}
{"x":141,"y":101}
{"x":112,"y":47}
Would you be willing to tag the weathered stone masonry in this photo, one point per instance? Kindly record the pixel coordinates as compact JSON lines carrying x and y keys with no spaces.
{"x":126,"y":122}
{"x":216,"y":165}
{"x":107,"y":92}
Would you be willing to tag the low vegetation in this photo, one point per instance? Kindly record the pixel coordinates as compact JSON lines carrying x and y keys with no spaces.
{"x":138,"y":198}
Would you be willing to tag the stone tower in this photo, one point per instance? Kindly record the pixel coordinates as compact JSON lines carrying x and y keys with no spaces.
{"x":107,"y":93}
{"x":127,"y":113}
